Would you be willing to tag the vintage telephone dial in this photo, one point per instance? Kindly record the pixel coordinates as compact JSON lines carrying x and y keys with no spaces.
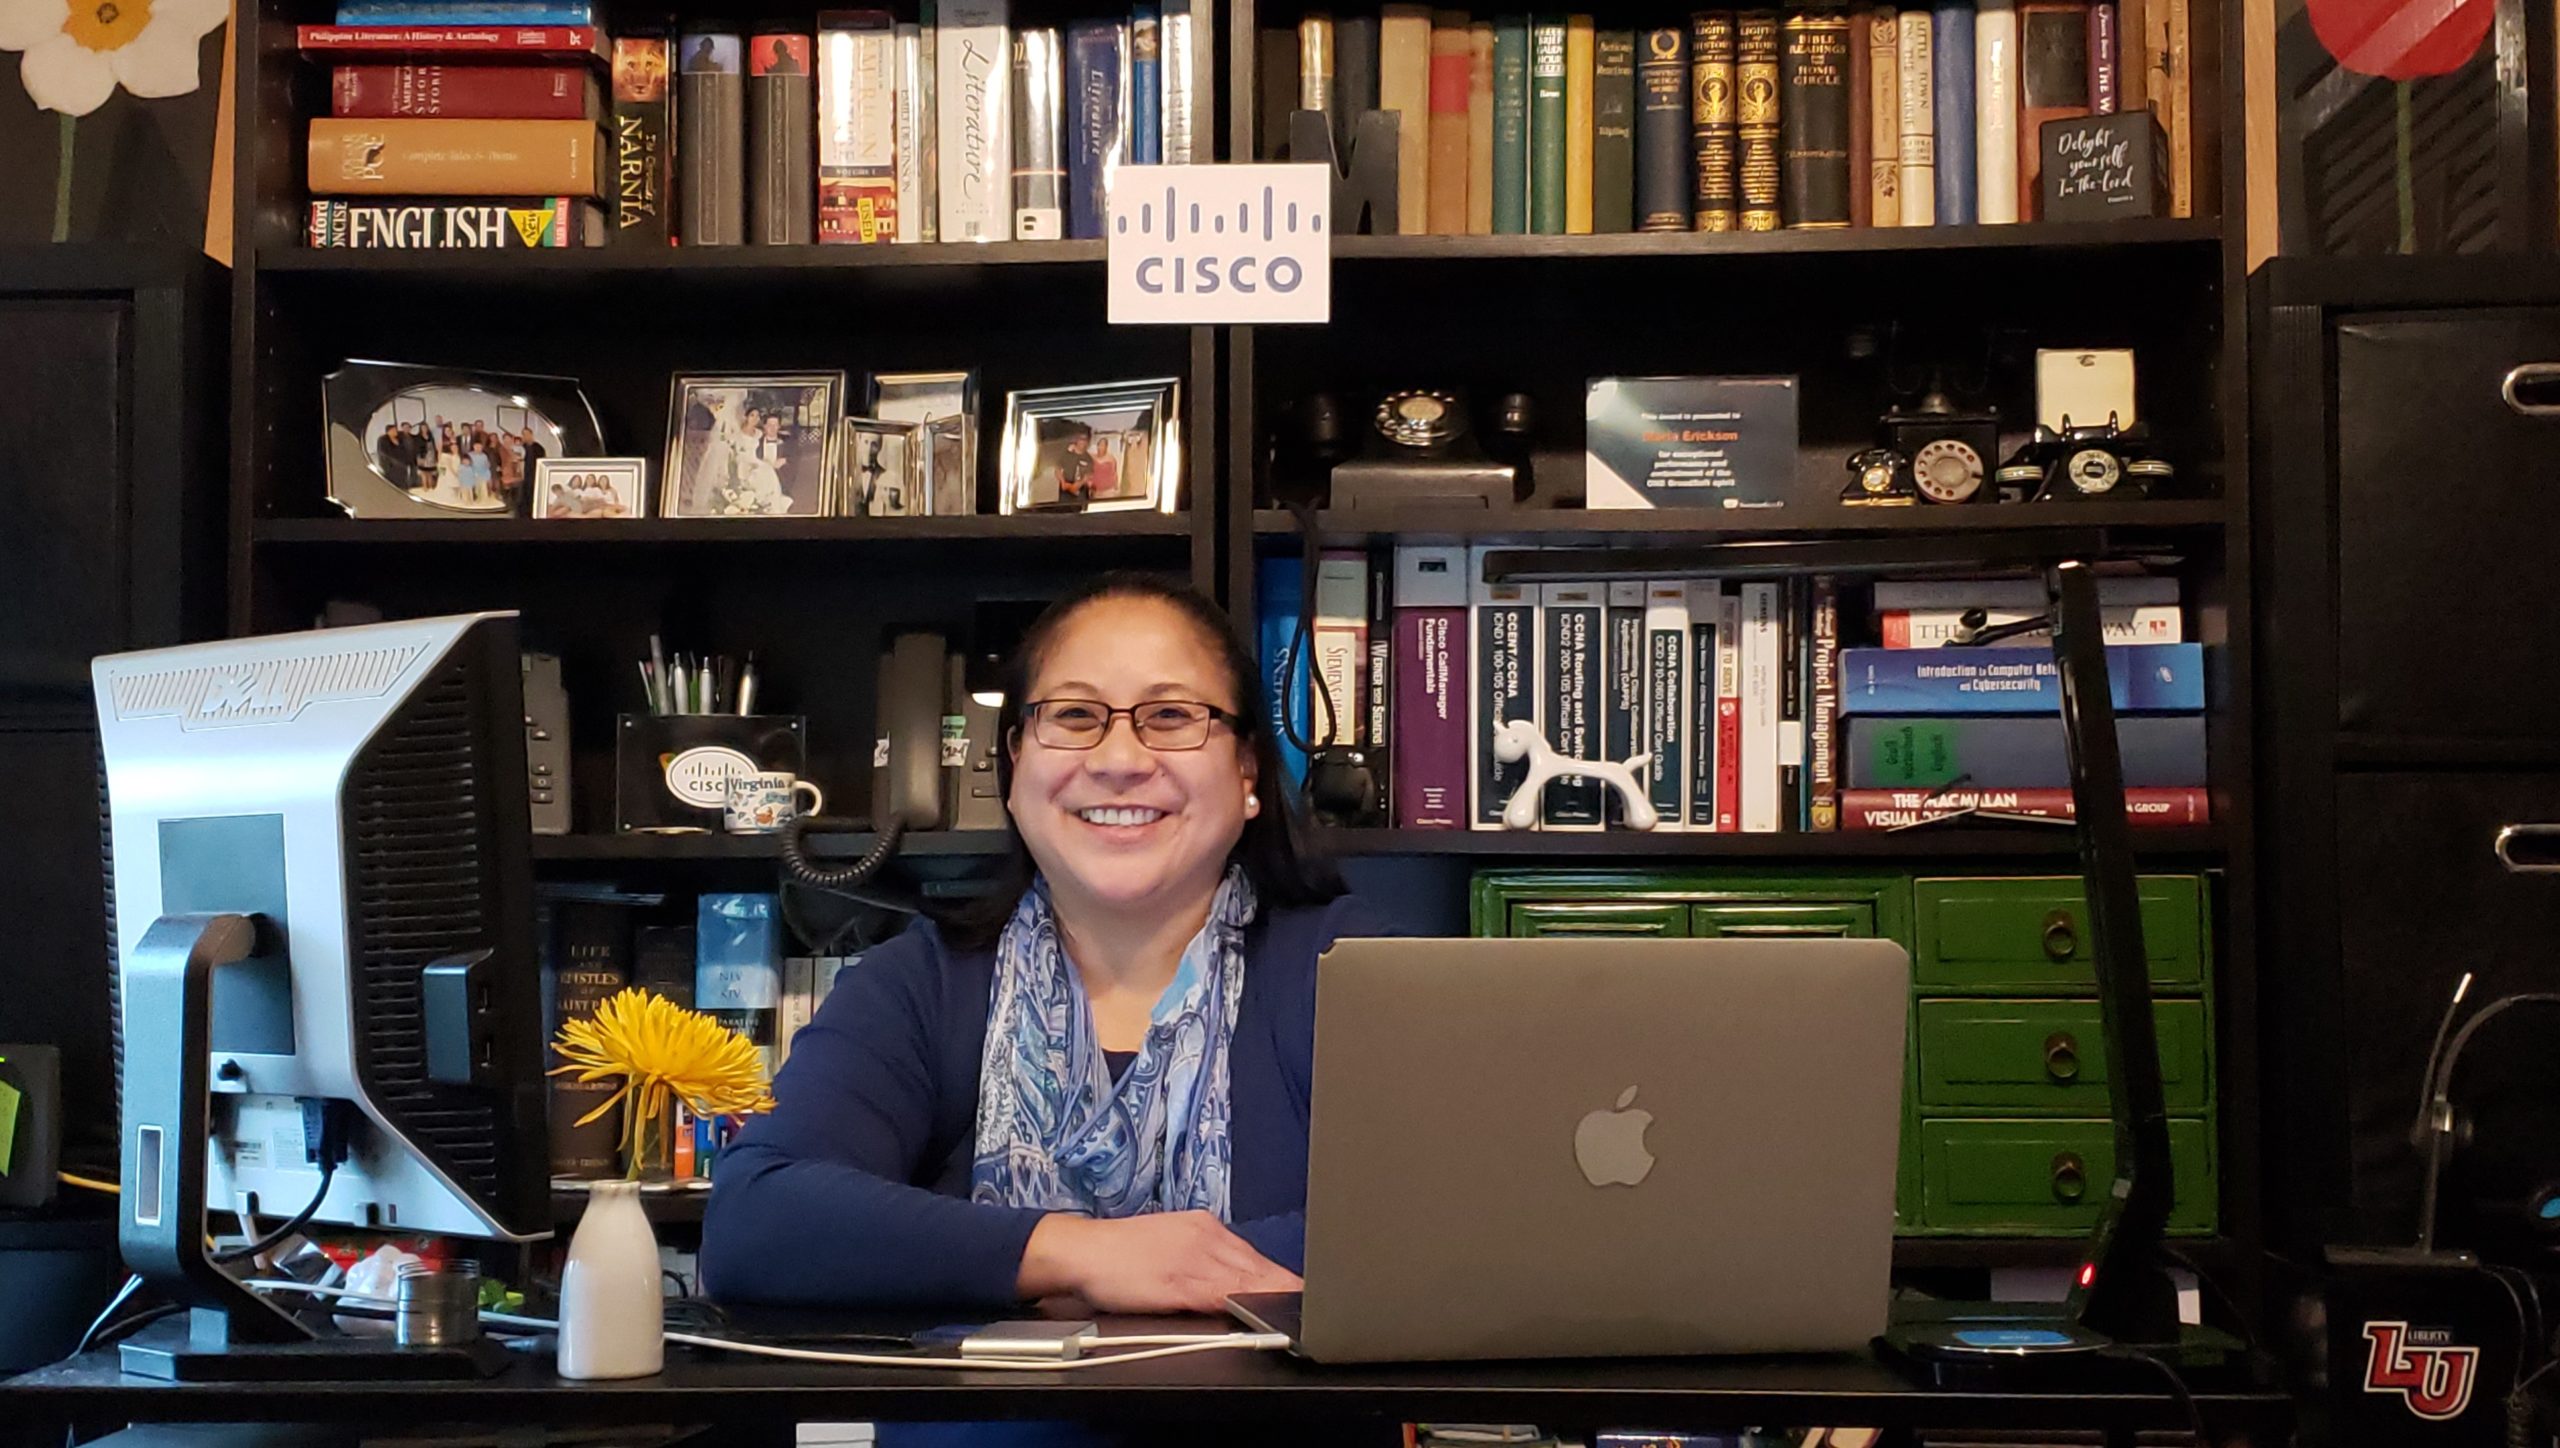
{"x":1417,"y":446}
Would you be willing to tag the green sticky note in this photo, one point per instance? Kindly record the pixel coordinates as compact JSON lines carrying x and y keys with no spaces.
{"x":8,"y":1125}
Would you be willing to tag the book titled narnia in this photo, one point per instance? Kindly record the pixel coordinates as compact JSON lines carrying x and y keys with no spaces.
{"x":644,"y":142}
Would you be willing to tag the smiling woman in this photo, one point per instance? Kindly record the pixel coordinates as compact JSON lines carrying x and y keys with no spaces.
{"x":1097,"y":1086}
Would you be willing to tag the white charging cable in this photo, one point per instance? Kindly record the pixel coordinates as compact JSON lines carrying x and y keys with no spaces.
{"x":1148,"y":1346}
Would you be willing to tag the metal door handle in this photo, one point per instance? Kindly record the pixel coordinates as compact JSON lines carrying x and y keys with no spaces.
{"x":2070,"y":1178}
{"x":2543,"y":860}
{"x":2543,"y":378}
{"x":2062,"y":1056}
{"x":2061,"y":940}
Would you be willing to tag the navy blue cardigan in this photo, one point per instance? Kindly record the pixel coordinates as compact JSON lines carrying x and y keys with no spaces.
{"x":853,"y":1191}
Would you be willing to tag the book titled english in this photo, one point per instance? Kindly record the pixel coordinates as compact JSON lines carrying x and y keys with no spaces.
{"x":481,"y":223}
{"x":2143,"y":678}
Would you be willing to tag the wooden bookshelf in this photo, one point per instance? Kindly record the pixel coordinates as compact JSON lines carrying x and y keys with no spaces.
{"x":2200,"y":846}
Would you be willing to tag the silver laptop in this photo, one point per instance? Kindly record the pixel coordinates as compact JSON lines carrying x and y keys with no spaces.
{"x":1585,"y":1148}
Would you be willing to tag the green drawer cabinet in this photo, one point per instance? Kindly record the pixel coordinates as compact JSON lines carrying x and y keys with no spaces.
{"x":2048,"y":1176}
{"x":2031,"y":936}
{"x":2005,"y":1073}
{"x":2045,"y":1055}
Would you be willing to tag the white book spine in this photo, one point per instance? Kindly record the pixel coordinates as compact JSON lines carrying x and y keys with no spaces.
{"x":1995,"y":111}
{"x":1728,"y":711}
{"x":1760,"y":743}
{"x":1667,"y":727}
{"x":1340,"y":640}
{"x":1571,"y":629}
{"x":1179,"y":39}
{"x":1918,"y":151}
{"x":915,"y":132}
{"x":973,"y":83}
{"x":1502,"y":664}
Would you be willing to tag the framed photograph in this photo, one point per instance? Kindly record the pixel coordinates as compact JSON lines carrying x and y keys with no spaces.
{"x":1104,"y":449}
{"x":579,"y":488}
{"x":407,"y":441}
{"x":877,"y":477}
{"x":946,"y":403}
{"x":756,"y":445}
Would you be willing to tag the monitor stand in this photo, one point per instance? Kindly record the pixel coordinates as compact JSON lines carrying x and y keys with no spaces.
{"x":230,"y":1333}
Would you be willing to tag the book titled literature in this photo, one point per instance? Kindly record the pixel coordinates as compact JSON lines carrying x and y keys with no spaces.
{"x":1098,"y":84}
{"x":1572,"y":644}
{"x":2142,"y":678}
{"x":1813,"y":120}
{"x":1663,"y":166}
{"x":1504,"y":682}
{"x":1667,"y":704}
{"x":1755,"y":88}
{"x":644,"y":142}
{"x":1430,"y":741}
{"x":711,"y":146}
{"x":857,"y":201}
{"x":1715,"y":203}
{"x":1895,"y":809}
{"x":465,"y":92}
{"x":2012,"y":751}
{"x":429,"y":157}
{"x":782,"y":189}
{"x":472,"y":223}
{"x":972,"y":93}
{"x":482,"y":43}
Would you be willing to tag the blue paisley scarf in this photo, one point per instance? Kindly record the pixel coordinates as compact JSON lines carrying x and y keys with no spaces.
{"x":1054,"y":1131}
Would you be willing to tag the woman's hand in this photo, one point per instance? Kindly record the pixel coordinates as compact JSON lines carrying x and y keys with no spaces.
{"x":1160,"y":1262}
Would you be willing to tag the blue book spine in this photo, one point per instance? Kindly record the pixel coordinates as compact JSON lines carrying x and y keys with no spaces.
{"x":427,"y":12}
{"x":1951,"y":77}
{"x":1146,"y":83}
{"x":737,"y":962}
{"x":2161,"y":751}
{"x":1279,"y":588}
{"x":1098,"y":117}
{"x":2144,"y":679}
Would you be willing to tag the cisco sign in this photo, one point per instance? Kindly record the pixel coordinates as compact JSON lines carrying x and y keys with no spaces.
{"x":1221,"y":245}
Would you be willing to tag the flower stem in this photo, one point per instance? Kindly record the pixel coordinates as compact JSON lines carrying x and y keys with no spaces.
{"x":62,"y":182}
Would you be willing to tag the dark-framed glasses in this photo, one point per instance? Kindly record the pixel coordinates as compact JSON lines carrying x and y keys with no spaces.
{"x":1160,"y":724}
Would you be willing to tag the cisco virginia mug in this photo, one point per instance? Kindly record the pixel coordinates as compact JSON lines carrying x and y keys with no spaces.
{"x":760,"y":804}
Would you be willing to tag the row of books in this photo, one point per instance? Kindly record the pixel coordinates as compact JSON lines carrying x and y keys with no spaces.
{"x":1818,"y":116}
{"x":729,"y":963}
{"x":863,"y":129}
{"x":1753,"y":717}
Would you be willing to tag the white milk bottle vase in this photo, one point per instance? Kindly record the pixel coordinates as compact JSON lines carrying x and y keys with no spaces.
{"x":611,"y":1313}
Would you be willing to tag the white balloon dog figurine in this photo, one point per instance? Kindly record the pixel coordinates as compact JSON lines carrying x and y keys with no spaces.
{"x":1519,"y":739}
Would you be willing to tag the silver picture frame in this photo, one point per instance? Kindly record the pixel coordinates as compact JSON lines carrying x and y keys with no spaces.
{"x":879,"y":469}
{"x":946,"y":403}
{"x":1109,"y":448}
{"x":585,"y":490}
{"x":715,"y":469}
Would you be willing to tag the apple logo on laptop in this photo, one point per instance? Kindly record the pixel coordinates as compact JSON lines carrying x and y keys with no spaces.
{"x":1609,"y":1145}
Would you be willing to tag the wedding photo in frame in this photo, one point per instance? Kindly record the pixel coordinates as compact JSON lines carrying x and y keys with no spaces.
{"x":751,"y":445}
{"x":1107,"y":448}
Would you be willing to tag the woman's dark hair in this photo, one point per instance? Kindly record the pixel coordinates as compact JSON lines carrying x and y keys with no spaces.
{"x":1282,"y":867}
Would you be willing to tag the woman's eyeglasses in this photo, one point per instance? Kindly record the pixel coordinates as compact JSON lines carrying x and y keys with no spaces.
{"x":1161,"y":724}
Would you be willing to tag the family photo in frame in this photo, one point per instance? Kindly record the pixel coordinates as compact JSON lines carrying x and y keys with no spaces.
{"x":1113,"y":447}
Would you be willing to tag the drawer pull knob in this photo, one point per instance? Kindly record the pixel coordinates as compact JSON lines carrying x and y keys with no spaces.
{"x":2532,"y":389}
{"x":2528,"y":849}
{"x":2061,"y":937}
{"x":2062,"y":1057}
{"x":2070,"y":1178}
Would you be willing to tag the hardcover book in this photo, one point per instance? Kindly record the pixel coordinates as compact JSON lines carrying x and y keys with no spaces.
{"x":1884,"y":116}
{"x":1667,"y":705}
{"x":972,"y":90}
{"x":711,"y":152}
{"x":1861,"y":117}
{"x":1916,"y":179}
{"x":782,"y":189}
{"x":1710,"y":645}
{"x":1432,"y":694}
{"x":1580,"y":81}
{"x":1339,"y":639}
{"x":1404,"y":87}
{"x":644,"y":142}
{"x":1549,"y":121}
{"x":1726,"y":758}
{"x":1894,"y":809}
{"x":465,"y":92}
{"x":2102,"y":58}
{"x":1755,"y":87}
{"x":461,"y":223}
{"x":1995,"y":111}
{"x":1179,"y":57}
{"x":1995,"y":751}
{"x":482,"y":43}
{"x":857,"y":198}
{"x":737,"y":976}
{"x":1448,"y":136}
{"x":1715,"y":201}
{"x":1503,"y":683}
{"x":1279,"y":591}
{"x":1623,"y":662}
{"x":2143,"y":679}
{"x":1761,"y":659}
{"x":1663,"y":165}
{"x":416,"y":157}
{"x":1951,"y":109}
{"x":587,"y":957}
{"x":1813,"y":120}
{"x":1480,"y":111}
{"x":1039,"y":141}
{"x":912,"y":102}
{"x":1573,"y":637}
{"x":1146,"y":85}
{"x":1098,"y":83}
{"x":1511,"y":125}
{"x":1613,"y":131}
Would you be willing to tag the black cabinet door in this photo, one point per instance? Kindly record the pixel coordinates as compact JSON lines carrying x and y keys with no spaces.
{"x":2448,"y":527}
{"x":2423,"y":897}
{"x":65,"y":489}
{"x":53,"y":912}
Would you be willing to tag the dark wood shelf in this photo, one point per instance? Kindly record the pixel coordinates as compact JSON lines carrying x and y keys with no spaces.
{"x":1924,"y":843}
{"x":2203,"y":232}
{"x":675,"y":262}
{"x":1026,"y":528}
{"x":1657,"y":526}
{"x":604,"y":848}
{"x":663,"y":1207}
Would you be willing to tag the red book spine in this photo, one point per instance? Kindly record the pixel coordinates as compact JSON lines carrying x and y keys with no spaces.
{"x":567,"y":42}
{"x":463,"y":92}
{"x":1728,"y":763}
{"x":1885,"y":809}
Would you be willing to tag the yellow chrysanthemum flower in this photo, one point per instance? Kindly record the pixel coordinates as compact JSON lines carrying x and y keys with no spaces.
{"x":663,"y":1053}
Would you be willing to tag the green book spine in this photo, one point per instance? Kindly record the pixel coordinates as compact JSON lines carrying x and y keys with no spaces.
{"x":1511,"y":125}
{"x":1613,"y":126}
{"x":1546,"y":127}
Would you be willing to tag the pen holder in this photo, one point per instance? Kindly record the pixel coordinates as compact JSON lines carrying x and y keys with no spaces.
{"x":671,"y":771}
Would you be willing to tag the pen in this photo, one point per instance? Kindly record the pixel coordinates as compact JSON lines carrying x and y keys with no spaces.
{"x":658,"y":670}
{"x":649,"y":688}
{"x":747,"y":686}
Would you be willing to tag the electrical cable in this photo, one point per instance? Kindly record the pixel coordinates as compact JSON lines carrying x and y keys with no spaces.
{"x":73,"y":1179}
{"x":132,"y":1285}
{"x":2177,"y":1387}
{"x":292,"y":1224}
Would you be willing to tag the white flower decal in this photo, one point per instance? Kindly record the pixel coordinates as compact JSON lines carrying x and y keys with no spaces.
{"x":78,"y":51}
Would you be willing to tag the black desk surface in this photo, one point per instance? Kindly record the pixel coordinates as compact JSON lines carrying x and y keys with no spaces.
{"x":1261,"y":1387}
